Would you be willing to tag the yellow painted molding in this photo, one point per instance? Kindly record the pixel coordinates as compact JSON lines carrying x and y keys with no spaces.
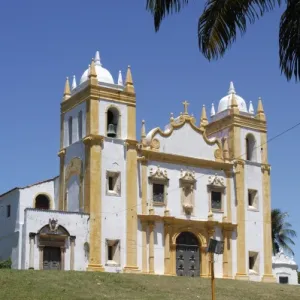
{"x":93,"y":139}
{"x":237,"y":121}
{"x":184,"y":160}
{"x":268,"y":278}
{"x":96,"y":92}
{"x":61,"y":153}
{"x":95,"y":268}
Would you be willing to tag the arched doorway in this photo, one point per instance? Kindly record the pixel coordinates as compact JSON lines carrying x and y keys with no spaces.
{"x":187,"y":255}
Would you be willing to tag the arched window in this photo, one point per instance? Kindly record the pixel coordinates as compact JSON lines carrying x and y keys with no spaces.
{"x":250,"y":148}
{"x":80,"y":125}
{"x":42,"y":202}
{"x":70,"y":124}
{"x":112,"y":126}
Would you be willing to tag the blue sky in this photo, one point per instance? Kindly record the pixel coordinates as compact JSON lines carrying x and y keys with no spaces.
{"x":42,"y":42}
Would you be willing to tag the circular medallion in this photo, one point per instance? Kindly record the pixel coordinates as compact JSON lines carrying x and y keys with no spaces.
{"x":155,"y":144}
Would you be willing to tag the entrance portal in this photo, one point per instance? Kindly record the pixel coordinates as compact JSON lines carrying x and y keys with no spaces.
{"x":187,"y":255}
{"x":51,"y":258}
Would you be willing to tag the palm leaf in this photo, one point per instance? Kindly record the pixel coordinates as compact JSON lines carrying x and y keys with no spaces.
{"x":161,"y":8}
{"x":222,"y":19}
{"x":289,"y":40}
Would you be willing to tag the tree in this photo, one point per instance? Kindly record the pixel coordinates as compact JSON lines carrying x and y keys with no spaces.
{"x":221,"y":21}
{"x":282,"y":233}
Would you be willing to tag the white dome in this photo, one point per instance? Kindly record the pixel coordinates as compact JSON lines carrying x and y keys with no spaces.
{"x":103,"y":75}
{"x":225,"y":102}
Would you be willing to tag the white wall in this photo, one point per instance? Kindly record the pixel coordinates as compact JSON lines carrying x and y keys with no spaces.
{"x":159,"y":254}
{"x":9,"y":228}
{"x":286,"y":270}
{"x":74,"y":114}
{"x":77,"y":225}
{"x":187,"y":142}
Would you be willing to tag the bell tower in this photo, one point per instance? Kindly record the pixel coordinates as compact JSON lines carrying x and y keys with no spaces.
{"x":98,"y":132}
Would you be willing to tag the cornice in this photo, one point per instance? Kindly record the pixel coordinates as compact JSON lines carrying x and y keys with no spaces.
{"x":62,"y":152}
{"x":185,"y":160}
{"x":209,"y":225}
{"x":93,"y":139}
{"x":94,"y":92}
{"x":238,"y":121}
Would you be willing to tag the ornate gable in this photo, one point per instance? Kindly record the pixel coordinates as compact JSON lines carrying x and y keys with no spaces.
{"x":216,"y":181}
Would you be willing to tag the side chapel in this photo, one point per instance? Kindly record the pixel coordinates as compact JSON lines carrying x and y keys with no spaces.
{"x":148,"y":204}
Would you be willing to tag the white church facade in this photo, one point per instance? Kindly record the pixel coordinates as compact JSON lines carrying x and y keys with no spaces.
{"x":147,"y":204}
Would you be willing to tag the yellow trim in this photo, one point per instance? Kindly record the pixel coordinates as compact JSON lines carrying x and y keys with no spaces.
{"x":95,"y":93}
{"x":61,"y":155}
{"x":51,"y":204}
{"x":227,"y":255}
{"x":144,"y":247}
{"x":93,"y":183}
{"x":228,"y":196}
{"x":268,"y":276}
{"x":131,"y":192}
{"x":264,"y":148}
{"x":185,"y":160}
{"x":241,"y":230}
{"x":144,"y":165}
{"x":236,"y":121}
{"x":167,"y":229}
{"x":151,"y":247}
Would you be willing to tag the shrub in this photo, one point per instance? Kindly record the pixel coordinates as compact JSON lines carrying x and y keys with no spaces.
{"x":5,"y":264}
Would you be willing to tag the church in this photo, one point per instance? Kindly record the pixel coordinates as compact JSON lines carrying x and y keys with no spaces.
{"x":147,"y":204}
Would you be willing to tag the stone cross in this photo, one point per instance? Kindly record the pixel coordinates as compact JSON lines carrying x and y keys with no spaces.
{"x":185,"y":104}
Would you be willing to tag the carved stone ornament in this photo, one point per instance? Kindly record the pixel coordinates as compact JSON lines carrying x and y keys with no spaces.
{"x":187,"y":183}
{"x":53,"y":225}
{"x":155,"y":144}
{"x":74,"y":167}
{"x":188,"y":176}
{"x":159,"y":174}
{"x":216,"y":181}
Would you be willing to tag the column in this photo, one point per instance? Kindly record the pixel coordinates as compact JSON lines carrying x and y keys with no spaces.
{"x":268,"y":276}
{"x":204,"y":262}
{"x":227,"y":255}
{"x":242,"y":273}
{"x":228,"y":196}
{"x":131,"y":212}
{"x":167,"y":249}
{"x":31,"y":250}
{"x":62,"y":257}
{"x":151,"y":248}
{"x":72,"y":244}
{"x":41,"y":260}
{"x":144,"y":164}
{"x":93,"y":182}
{"x":61,"y":204}
{"x":144,"y":247}
{"x":210,"y":235}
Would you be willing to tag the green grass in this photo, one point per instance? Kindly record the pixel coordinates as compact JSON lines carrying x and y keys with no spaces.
{"x":57,"y":285}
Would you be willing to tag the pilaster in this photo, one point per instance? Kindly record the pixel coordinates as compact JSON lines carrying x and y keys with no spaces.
{"x":241,"y":228}
{"x":144,"y":247}
{"x":167,"y":249}
{"x":227,"y":255}
{"x":61,"y":201}
{"x":151,"y":247}
{"x":268,"y":276}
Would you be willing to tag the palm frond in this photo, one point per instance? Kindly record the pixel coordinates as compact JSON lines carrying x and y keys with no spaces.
{"x":289,"y":40}
{"x":160,"y":8}
{"x":222,"y":19}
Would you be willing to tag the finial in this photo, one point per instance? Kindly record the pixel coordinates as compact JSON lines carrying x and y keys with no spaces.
{"x":97,"y":59}
{"x":74,"y":84}
{"x":234,"y":106}
{"x":171,"y":117}
{"x":143,"y":130}
{"x":203,"y":120}
{"x":120,"y":78}
{"x":129,"y":87}
{"x":231,"y":88}
{"x":251,"y":109}
{"x":185,"y":105}
{"x":260,"y":114}
{"x":212,"y":111}
{"x":92,"y":70}
{"x":67,"y":92}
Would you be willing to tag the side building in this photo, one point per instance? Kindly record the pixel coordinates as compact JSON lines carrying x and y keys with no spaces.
{"x":150,"y":205}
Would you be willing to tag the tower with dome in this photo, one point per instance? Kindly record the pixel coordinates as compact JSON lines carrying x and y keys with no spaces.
{"x":147,"y":204}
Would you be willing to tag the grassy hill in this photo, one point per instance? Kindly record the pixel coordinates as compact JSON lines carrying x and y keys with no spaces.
{"x":56,"y":285}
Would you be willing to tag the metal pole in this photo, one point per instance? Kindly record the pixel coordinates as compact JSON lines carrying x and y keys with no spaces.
{"x":213,"y":296}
